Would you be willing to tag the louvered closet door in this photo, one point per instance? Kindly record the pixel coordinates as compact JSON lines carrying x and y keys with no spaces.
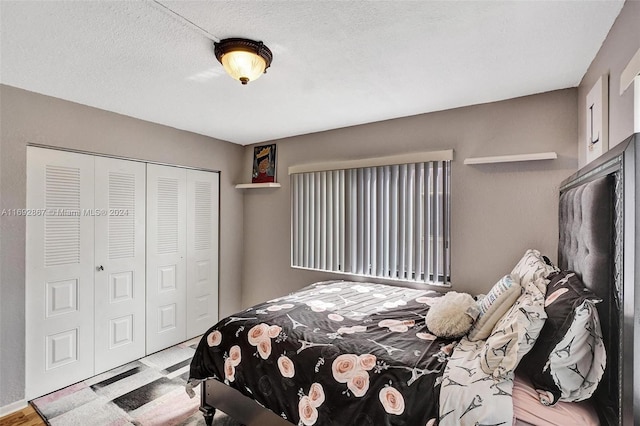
{"x":120,"y":262}
{"x":166,"y":256}
{"x":202,"y":251}
{"x":59,"y":270}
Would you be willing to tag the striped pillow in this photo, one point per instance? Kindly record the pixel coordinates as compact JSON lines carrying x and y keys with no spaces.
{"x":494,"y":305}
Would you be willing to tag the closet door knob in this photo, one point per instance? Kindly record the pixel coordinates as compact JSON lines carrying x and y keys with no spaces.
{"x":100,"y":268}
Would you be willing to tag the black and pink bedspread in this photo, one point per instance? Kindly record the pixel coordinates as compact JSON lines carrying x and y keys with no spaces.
{"x":334,"y":353}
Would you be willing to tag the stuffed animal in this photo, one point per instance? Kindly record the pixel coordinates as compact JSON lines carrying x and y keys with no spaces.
{"x":453,"y":315}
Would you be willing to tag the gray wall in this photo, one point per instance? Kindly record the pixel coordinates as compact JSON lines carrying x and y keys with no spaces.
{"x":622,"y":42}
{"x":498,"y":210}
{"x":28,"y":117}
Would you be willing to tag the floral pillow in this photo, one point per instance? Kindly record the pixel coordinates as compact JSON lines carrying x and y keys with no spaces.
{"x":493,"y":306}
{"x":569,"y":359}
{"x":515,"y":334}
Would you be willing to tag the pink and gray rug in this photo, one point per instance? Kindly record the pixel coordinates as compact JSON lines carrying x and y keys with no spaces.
{"x":147,"y":392}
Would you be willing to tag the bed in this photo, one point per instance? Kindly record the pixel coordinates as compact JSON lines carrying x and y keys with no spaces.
{"x":341,"y":352}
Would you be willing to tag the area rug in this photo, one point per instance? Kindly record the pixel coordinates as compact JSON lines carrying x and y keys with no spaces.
{"x":147,"y":392}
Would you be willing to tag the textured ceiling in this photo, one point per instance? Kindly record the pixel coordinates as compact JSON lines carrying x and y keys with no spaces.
{"x":335,"y":64}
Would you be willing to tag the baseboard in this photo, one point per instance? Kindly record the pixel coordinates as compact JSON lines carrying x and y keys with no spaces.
{"x":13,"y":407}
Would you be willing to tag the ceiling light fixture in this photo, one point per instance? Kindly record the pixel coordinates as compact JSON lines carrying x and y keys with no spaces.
{"x":245,"y":60}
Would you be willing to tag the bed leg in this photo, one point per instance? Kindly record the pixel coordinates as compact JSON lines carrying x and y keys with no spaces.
{"x":208,"y":412}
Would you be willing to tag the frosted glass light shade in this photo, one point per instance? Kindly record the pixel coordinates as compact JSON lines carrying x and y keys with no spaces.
{"x":243,"y":59}
{"x":244,"y":66}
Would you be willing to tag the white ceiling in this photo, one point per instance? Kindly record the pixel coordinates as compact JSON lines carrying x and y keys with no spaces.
{"x":335,"y":64}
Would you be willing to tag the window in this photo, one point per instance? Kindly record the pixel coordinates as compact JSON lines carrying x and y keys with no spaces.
{"x":389,"y":221}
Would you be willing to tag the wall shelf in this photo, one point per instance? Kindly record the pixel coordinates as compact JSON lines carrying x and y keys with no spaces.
{"x":258,"y":185}
{"x":512,"y":158}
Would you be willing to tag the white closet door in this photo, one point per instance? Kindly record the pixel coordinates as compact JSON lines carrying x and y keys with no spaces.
{"x":202,"y":251}
{"x":59,"y":270}
{"x":120,"y":262}
{"x":166,"y":256}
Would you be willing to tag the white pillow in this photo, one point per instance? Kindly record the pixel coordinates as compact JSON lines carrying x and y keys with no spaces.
{"x":533,"y":268}
{"x":578,"y":371}
{"x":515,"y":334}
{"x":452,"y":316}
{"x":493,"y":306}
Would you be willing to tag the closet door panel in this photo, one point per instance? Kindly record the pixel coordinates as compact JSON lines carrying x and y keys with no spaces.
{"x":202,"y":251}
{"x":120,"y":262}
{"x":166,"y":256}
{"x":59,"y":270}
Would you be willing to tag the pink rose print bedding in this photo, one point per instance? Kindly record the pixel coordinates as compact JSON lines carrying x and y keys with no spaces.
{"x":334,"y":353}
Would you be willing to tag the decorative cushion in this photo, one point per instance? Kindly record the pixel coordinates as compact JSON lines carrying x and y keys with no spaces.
{"x":533,"y":267}
{"x":515,"y":334}
{"x":452,"y":316}
{"x":493,"y":306}
{"x":569,"y":359}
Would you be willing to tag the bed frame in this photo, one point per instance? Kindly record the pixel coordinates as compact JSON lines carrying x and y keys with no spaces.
{"x":598,"y":239}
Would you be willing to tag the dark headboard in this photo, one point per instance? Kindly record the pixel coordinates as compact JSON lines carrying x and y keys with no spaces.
{"x":586,"y":245}
{"x":620,"y":309}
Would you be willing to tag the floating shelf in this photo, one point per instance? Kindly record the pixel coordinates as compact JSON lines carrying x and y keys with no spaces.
{"x":512,"y":158}
{"x":258,"y":185}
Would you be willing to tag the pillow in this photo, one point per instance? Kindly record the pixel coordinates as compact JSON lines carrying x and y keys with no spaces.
{"x":569,"y":359}
{"x":515,"y":334}
{"x":493,"y":306}
{"x":533,"y":267}
{"x":452,"y":316}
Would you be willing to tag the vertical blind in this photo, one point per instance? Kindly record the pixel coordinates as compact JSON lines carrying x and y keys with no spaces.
{"x":386,"y":221}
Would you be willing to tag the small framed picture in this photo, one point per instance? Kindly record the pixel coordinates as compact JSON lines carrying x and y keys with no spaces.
{"x":264,"y":164}
{"x":597,"y":119}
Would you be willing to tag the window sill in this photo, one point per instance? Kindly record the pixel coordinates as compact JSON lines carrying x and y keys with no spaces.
{"x":381,"y":280}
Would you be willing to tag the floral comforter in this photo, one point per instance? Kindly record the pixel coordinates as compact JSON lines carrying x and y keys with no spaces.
{"x":334,"y":353}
